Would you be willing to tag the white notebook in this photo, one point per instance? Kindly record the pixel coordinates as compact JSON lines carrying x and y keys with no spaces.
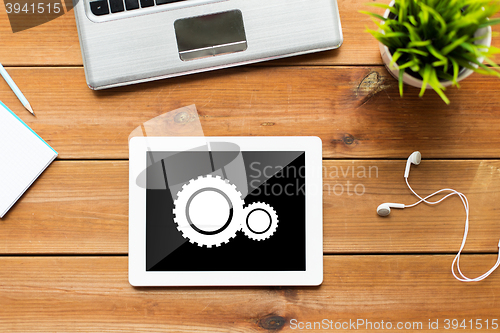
{"x":23,"y":157}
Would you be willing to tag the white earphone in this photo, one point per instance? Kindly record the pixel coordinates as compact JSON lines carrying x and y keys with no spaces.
{"x":385,"y":209}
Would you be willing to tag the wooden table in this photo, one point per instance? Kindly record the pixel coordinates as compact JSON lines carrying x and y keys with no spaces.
{"x":63,"y":247}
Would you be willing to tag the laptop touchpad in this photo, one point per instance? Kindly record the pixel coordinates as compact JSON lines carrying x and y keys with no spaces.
{"x":210,"y":35}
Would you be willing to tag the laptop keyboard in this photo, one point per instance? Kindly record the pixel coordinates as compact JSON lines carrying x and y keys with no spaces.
{"x":105,"y":7}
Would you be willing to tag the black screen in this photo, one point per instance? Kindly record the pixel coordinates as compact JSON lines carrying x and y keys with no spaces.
{"x":274,"y":178}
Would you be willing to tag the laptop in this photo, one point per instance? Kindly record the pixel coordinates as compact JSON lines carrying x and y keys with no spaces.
{"x":132,"y":41}
{"x":225,"y":211}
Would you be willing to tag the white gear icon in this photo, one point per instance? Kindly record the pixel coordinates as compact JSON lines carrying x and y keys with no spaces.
{"x":260,"y":221}
{"x":208,"y":211}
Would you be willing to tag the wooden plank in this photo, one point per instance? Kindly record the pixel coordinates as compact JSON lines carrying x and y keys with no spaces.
{"x":56,"y":42}
{"x":53,"y":43}
{"x":354,"y":189}
{"x":74,"y":207}
{"x":82,"y":207}
{"x":78,"y":294}
{"x":356,"y":111}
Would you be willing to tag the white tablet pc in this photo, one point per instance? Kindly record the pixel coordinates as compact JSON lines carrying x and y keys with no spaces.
{"x":225,"y":211}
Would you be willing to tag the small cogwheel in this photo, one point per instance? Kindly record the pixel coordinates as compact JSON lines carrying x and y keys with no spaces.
{"x":208,"y":211}
{"x":260,"y":221}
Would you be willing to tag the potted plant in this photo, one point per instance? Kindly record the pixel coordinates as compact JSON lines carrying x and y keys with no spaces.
{"x":432,"y":44}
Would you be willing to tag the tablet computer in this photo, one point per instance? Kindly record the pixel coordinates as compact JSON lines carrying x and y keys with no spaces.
{"x":225,"y":211}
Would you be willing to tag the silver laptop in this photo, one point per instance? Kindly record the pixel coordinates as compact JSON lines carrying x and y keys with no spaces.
{"x":131,"y":41}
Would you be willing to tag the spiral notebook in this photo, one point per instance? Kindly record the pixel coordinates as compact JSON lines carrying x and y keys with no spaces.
{"x":23,"y":157}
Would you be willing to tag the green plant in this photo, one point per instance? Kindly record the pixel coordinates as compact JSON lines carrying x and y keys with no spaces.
{"x":434,"y":39}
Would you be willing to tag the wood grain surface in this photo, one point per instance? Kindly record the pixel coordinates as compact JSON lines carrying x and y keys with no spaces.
{"x":64,"y":245}
{"x":356,"y":111}
{"x":56,"y":43}
{"x":75,"y":294}
{"x":81,"y":207}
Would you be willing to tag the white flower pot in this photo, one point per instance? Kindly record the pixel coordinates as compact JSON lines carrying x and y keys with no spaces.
{"x":412,"y":81}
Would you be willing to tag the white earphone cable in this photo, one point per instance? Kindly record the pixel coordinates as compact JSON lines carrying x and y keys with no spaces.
{"x":456,"y":260}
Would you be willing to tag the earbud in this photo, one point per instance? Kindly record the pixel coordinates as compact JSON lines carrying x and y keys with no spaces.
{"x":385,"y":208}
{"x":414,"y":158}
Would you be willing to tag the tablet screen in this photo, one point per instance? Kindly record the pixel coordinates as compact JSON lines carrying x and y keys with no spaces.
{"x":273,"y":232}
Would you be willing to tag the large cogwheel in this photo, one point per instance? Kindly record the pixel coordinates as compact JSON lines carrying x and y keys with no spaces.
{"x":260,"y":221}
{"x":208,"y":211}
